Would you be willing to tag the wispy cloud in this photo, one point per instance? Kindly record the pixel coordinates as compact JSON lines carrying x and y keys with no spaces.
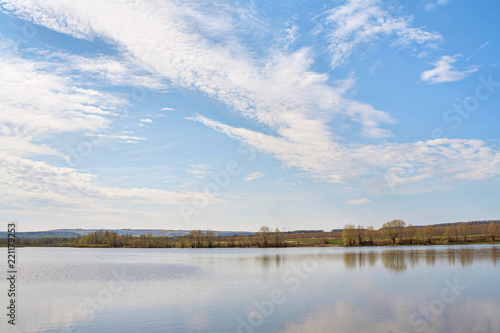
{"x":356,"y":202}
{"x":168,"y":109}
{"x":280,"y":91}
{"x":443,"y":71}
{"x":43,"y":95}
{"x":395,"y":163}
{"x":377,"y":64}
{"x":253,"y":176}
{"x":112,"y":70}
{"x":40,"y":99}
{"x":359,"y":22}
{"x":30,"y":183}
{"x":433,"y":4}
{"x":484,"y":45}
{"x":146,"y":120}
{"x":120,"y":137}
{"x":199,"y":170}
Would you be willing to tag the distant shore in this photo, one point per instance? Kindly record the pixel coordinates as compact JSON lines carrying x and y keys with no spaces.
{"x":392,"y":233}
{"x":232,"y":242}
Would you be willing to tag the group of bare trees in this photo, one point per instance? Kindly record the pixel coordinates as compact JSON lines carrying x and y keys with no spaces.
{"x":398,"y":231}
{"x":463,"y":232}
{"x":353,"y":235}
{"x":266,"y":238}
{"x":198,"y":239}
{"x":112,"y":239}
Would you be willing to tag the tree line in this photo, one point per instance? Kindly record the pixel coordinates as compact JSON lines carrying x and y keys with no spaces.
{"x":265,"y":237}
{"x":397,"y":232}
{"x":391,"y":233}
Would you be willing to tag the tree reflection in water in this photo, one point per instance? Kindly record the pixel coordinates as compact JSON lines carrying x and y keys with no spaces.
{"x":394,"y":261}
{"x":353,"y":260}
{"x":397,"y":260}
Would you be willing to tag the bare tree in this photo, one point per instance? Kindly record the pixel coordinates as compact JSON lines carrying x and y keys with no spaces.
{"x":210,"y":236}
{"x":183,"y":241}
{"x":349,"y":234}
{"x":410,"y":233}
{"x":428,"y":233}
{"x":370,"y":232}
{"x":493,"y":230}
{"x":464,"y":230}
{"x":449,"y":234}
{"x":196,"y":237}
{"x":393,"y":229}
{"x":264,"y":236}
{"x":360,"y":234}
{"x":243,"y":241}
{"x":278,"y":238}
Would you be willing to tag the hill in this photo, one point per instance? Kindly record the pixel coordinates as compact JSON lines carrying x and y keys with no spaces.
{"x":71,"y":233}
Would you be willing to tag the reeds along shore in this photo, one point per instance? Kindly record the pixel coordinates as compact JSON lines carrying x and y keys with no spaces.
{"x":350,"y":236}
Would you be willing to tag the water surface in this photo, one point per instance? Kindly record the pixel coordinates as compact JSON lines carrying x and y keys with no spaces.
{"x":404,"y":289}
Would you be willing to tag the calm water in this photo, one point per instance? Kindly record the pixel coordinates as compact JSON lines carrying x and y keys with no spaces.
{"x":410,"y":289}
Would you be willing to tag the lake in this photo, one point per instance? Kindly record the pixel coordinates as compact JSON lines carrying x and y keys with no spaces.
{"x":377,"y":289}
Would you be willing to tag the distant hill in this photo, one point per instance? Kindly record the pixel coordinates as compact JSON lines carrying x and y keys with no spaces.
{"x":70,"y":233}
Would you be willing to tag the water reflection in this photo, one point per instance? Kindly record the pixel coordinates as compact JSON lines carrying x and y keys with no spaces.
{"x":394,"y":261}
{"x":430,"y":257}
{"x":267,"y":260}
{"x":398,"y":260}
{"x":372,"y":289}
{"x":450,"y":255}
{"x":495,"y":255}
{"x":466,"y":257}
{"x":353,"y":260}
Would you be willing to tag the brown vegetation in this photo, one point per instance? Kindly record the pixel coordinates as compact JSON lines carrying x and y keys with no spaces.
{"x":392,"y":233}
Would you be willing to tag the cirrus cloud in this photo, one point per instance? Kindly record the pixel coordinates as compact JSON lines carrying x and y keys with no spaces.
{"x":443,"y":71}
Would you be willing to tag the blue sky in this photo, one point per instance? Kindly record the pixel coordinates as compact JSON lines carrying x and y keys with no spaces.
{"x":229,"y":115}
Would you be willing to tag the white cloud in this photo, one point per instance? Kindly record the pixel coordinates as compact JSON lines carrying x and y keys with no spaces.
{"x":124,"y":71}
{"x":376,"y":64}
{"x":431,"y":5}
{"x":282,"y":93}
{"x":27,"y":183}
{"x":147,"y":120}
{"x":444,"y":71}
{"x":199,"y":170}
{"x":484,"y":44}
{"x":384,"y":165}
{"x":168,"y":109}
{"x":253,"y":175}
{"x":193,"y":49}
{"x":360,"y":22}
{"x":127,"y":138}
{"x":66,"y":21}
{"x":39,"y":99}
{"x":356,"y":202}
{"x":47,"y":96}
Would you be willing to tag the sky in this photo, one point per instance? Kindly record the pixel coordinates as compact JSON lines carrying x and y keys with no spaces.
{"x":230,"y":115}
